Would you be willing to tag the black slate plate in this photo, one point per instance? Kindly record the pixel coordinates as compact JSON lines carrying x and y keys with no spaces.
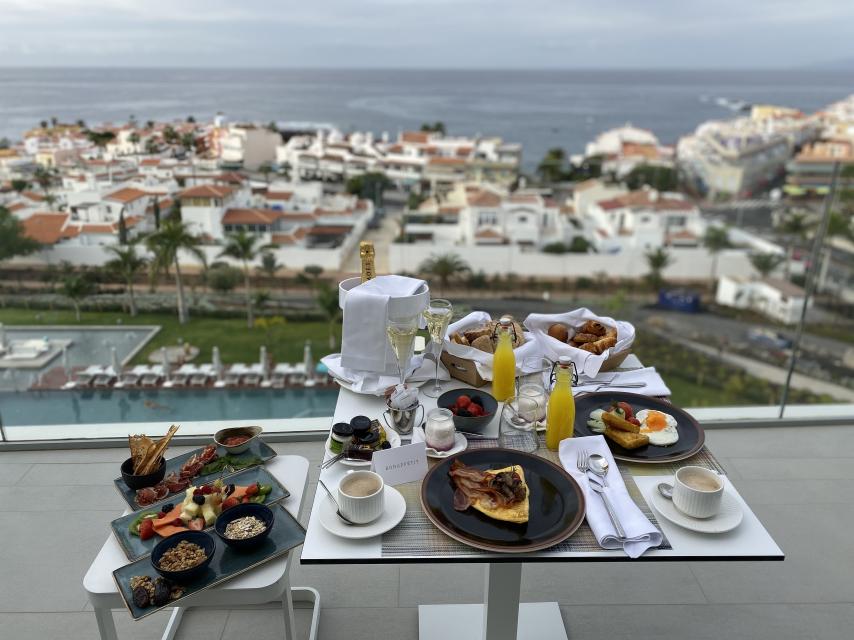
{"x":135,"y":547}
{"x":556,"y":504}
{"x":258,"y":448}
{"x":286,"y":534}
{"x":691,"y":434}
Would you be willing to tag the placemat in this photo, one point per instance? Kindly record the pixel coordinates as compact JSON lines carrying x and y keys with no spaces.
{"x":416,"y":535}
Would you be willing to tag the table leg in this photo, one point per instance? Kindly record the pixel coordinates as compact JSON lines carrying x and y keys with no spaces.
{"x":500,"y":617}
{"x":501,"y":600}
{"x":106,"y":626}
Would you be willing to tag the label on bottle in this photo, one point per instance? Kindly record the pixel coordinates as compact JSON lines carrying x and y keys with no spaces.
{"x":366,"y":256}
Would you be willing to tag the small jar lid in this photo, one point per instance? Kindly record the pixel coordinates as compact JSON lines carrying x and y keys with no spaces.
{"x":370,"y":438}
{"x":342,"y":429}
{"x":361,"y":425}
{"x":564,"y":361}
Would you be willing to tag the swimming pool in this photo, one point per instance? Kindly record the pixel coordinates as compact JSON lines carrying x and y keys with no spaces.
{"x":111,"y":406}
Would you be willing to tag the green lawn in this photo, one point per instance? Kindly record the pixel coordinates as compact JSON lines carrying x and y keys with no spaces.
{"x":236,"y":343}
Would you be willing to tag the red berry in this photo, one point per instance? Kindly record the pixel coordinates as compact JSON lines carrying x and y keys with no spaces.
{"x":252,"y":489}
{"x":162,"y":514}
{"x":178,"y":522}
{"x":207,"y":489}
{"x":228,"y":503}
{"x":463,"y":402}
{"x":475,"y":410}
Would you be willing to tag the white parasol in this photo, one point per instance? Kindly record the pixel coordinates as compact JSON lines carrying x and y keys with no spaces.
{"x":265,"y":369}
{"x":114,"y":361}
{"x":164,"y":357}
{"x":307,"y":361}
{"x":217,"y":363}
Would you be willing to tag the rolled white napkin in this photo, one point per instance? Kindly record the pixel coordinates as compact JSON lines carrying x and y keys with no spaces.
{"x":653,"y":382}
{"x":364,"y":344}
{"x":640,"y":533}
{"x":403,"y":397}
{"x":420,"y":369}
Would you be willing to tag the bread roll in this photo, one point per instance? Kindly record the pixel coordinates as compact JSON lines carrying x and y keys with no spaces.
{"x":559,"y":332}
{"x":484,"y":343}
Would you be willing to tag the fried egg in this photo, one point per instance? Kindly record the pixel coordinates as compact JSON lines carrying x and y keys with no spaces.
{"x":660,"y":427}
{"x":595,"y":421}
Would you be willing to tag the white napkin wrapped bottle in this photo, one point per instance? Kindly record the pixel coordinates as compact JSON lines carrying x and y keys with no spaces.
{"x":364,"y":345}
{"x":640,"y":532}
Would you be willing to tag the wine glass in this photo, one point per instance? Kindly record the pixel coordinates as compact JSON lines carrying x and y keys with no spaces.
{"x":437,"y":315}
{"x":401,"y":336}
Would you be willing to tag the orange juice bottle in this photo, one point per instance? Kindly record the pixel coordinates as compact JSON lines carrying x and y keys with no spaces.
{"x":560,"y":417}
{"x":504,"y":362}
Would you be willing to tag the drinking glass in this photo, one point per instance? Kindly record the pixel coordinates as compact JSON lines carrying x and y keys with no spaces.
{"x":519,"y":419}
{"x":437,"y":315}
{"x":401,"y":336}
{"x":538,"y":369}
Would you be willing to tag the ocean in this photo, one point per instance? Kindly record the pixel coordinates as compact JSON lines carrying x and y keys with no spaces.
{"x":540,"y":109}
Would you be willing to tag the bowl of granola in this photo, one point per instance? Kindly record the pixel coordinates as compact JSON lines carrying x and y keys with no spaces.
{"x":183,"y":556}
{"x":244,"y":526}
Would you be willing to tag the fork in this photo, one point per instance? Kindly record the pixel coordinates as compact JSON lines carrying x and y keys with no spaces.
{"x":328,"y":463}
{"x":582,"y":461}
{"x":608,"y":385}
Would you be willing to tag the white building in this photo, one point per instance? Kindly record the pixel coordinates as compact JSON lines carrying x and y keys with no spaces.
{"x":624,"y":148}
{"x":777,"y":299}
{"x":246,"y":146}
{"x":644,"y":219}
{"x":744,"y":156}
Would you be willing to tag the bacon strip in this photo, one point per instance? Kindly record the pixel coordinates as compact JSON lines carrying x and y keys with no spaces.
{"x":492,"y":491}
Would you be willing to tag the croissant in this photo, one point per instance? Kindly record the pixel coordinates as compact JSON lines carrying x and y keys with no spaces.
{"x":594,"y":327}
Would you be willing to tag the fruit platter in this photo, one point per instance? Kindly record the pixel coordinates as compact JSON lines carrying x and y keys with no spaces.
{"x":195,"y":467}
{"x":203,"y":560}
{"x":195,"y":510}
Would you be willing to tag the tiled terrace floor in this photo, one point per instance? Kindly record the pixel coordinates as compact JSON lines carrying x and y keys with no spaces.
{"x":800,"y":483}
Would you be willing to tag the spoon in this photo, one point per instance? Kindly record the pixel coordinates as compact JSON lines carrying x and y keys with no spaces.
{"x":599,"y":465}
{"x":338,"y":508}
{"x":666,"y":490}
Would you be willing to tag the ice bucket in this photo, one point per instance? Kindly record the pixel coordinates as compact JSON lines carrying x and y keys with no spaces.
{"x":397,"y":307}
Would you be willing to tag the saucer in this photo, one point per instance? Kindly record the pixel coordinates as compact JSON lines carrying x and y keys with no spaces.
{"x":460,"y":444}
{"x":727,"y":519}
{"x":393,"y":511}
{"x":391,"y":435}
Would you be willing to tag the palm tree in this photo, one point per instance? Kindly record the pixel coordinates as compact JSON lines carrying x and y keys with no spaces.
{"x":444,"y":267}
{"x":266,"y":169}
{"x":126,"y":265}
{"x":794,"y":226}
{"x":166,"y":244}
{"x":44,"y":178}
{"x":269,"y":266}
{"x":765,"y":263}
{"x":550,"y":168}
{"x":715,"y":240}
{"x":20,"y":185}
{"x":134,"y":140}
{"x":75,"y":288}
{"x":313,"y":270}
{"x":657,"y":260}
{"x":326,"y":297}
{"x":242,"y":246}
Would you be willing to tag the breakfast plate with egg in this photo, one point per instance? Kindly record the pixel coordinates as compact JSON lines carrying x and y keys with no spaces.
{"x":638,"y":428}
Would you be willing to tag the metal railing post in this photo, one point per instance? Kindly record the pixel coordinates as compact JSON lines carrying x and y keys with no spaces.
{"x":809,"y":285}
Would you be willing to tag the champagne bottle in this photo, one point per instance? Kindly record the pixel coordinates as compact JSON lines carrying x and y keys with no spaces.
{"x":366,"y":255}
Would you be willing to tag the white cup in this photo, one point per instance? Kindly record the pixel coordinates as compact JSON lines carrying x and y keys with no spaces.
{"x":697,"y":492}
{"x":354,"y":502}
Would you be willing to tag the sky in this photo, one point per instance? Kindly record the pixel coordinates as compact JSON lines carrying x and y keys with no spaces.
{"x":427,"y":33}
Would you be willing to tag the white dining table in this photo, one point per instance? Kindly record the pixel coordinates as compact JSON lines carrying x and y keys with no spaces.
{"x":267,"y":583}
{"x":502,"y":616}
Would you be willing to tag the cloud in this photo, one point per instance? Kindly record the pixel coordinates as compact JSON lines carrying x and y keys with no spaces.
{"x":424,"y":33}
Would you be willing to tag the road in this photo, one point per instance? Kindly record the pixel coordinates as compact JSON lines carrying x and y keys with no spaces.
{"x":382,"y":238}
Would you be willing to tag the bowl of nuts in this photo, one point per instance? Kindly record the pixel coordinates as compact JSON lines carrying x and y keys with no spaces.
{"x":244,"y":526}
{"x":183,"y":556}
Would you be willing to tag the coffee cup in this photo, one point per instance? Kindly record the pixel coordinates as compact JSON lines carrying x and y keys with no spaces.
{"x":697,"y":492}
{"x":360,"y":496}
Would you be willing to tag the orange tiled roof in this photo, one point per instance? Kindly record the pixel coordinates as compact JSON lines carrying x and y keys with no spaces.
{"x":250,"y":216}
{"x":489,"y":233}
{"x":444,"y":160}
{"x":206,"y":191}
{"x":150,"y":162}
{"x":484,"y":199}
{"x":127,"y":194}
{"x":415,"y":136}
{"x":32,"y":195}
{"x":45,"y":228}
{"x":279,"y":195}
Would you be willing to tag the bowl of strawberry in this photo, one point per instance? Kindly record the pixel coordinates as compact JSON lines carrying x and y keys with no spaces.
{"x":473,"y":409}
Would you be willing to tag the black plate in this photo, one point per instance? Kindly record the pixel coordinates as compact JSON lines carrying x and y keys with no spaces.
{"x":691,"y":434}
{"x":556,"y":504}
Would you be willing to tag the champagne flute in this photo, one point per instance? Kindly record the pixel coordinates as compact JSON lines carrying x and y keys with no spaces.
{"x":401,"y":336}
{"x":437,"y":315}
